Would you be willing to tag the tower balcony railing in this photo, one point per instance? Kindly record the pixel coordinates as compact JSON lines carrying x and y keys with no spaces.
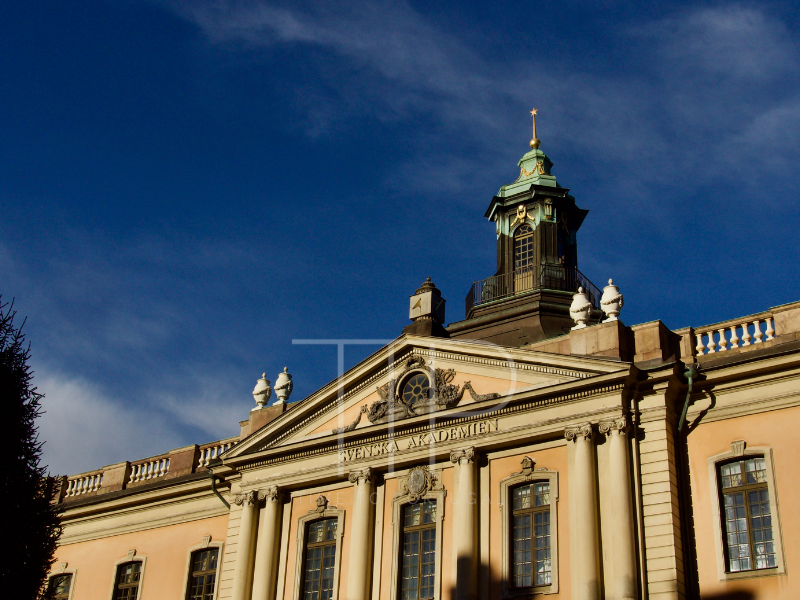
{"x":530,"y":279}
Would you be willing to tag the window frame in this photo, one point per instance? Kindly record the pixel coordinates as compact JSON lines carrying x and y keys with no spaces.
{"x":506,"y":514}
{"x":63,"y":570}
{"x":740,"y":451}
{"x":398,"y":503}
{"x":204,"y":545}
{"x":419,"y":528}
{"x":117,"y":575}
{"x":132,"y":556}
{"x":302,"y":523}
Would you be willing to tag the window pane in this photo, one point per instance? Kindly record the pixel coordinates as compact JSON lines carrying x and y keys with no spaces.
{"x":522,"y":497}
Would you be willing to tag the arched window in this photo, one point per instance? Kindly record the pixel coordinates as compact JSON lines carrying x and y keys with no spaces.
{"x":523,"y":247}
{"x":126,"y":586}
{"x":203,"y":576}
{"x":320,"y":559}
{"x":747,"y":517}
{"x":60,"y":585}
{"x":530,"y":535}
{"x":418,"y":570}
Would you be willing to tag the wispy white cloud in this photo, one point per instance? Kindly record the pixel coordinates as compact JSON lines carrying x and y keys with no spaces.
{"x":696,"y":93}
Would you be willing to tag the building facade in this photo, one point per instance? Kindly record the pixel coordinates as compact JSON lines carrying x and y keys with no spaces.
{"x":539,"y":447}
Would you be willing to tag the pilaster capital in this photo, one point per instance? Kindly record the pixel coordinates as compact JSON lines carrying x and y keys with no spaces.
{"x":584,"y":431}
{"x":269,"y":493}
{"x":619,"y":424}
{"x":360,"y":476}
{"x":463,"y":456}
{"x":245,"y":499}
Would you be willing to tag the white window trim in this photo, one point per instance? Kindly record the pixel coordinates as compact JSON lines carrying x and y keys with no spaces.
{"x":397,"y":526}
{"x":315,"y":515}
{"x":206,"y":543}
{"x":132,"y":556}
{"x":505,"y":511}
{"x":63,"y":570}
{"x":740,"y":450}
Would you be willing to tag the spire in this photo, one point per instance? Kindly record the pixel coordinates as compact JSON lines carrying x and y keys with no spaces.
{"x":535,"y":143}
{"x":534,"y":168}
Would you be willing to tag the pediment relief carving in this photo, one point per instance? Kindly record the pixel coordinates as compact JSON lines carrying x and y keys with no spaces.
{"x":418,"y":390}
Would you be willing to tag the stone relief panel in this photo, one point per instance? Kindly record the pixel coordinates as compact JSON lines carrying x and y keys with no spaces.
{"x":418,"y":390}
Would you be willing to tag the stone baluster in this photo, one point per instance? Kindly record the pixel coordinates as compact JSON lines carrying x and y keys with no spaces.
{"x":712,"y":345}
{"x":466,"y":524}
{"x":700,"y":345}
{"x":265,"y":574}
{"x":587,"y":551}
{"x":360,"y":546}
{"x":723,"y":343}
{"x":623,"y":549}
{"x":770,"y":330}
{"x":757,"y":331}
{"x":734,"y":338}
{"x":243,"y":567}
{"x":746,"y":334}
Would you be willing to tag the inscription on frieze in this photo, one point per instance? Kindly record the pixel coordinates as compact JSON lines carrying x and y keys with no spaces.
{"x":428,"y":438}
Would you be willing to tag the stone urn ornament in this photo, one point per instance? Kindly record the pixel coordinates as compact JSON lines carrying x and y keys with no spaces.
{"x":581,"y":309}
{"x":611,"y":303}
{"x":283,"y":386}
{"x":262,"y":392}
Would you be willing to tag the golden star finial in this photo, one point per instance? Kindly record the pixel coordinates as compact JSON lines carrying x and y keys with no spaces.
{"x":535,"y":141}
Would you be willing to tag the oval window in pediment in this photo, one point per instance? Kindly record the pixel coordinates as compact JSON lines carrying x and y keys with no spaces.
{"x":416,"y":388}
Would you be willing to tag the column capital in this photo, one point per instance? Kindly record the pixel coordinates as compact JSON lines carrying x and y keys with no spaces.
{"x":584,"y":430}
{"x":360,"y":475}
{"x":245,"y":499}
{"x":618,"y":424}
{"x":467,"y":455}
{"x":269,"y":493}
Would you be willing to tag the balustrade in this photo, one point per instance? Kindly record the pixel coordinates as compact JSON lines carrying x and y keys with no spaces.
{"x":209,"y":453}
{"x":149,"y":469}
{"x":723,"y":336}
{"x":82,"y":484}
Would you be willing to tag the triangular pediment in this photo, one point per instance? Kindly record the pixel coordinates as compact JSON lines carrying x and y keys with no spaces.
{"x":378,"y":392}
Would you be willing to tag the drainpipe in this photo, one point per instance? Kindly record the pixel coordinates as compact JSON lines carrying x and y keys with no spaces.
{"x":691,"y":375}
{"x":682,"y":448}
{"x":214,"y":488}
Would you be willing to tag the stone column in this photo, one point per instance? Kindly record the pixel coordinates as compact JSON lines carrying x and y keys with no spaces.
{"x":587,"y":554}
{"x":623,"y":549}
{"x":268,"y":545}
{"x":360,"y":547}
{"x":465,"y":519}
{"x":243,"y":568}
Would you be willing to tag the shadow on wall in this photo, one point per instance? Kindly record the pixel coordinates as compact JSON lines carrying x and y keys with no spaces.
{"x":495,"y":587}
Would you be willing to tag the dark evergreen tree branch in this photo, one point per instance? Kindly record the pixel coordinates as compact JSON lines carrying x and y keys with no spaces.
{"x":27,"y":494}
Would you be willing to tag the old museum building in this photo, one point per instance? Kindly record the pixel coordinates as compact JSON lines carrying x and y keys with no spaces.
{"x":538,"y":447}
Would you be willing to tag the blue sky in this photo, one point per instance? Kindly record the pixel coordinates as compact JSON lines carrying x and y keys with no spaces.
{"x":188,"y":186}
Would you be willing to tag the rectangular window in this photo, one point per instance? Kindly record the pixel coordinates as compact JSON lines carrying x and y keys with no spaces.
{"x":128,"y":576}
{"x":418,"y":574}
{"x":204,"y":574}
{"x":320,"y":560}
{"x":59,"y":586}
{"x":747,"y":518}
{"x":530,"y":539}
